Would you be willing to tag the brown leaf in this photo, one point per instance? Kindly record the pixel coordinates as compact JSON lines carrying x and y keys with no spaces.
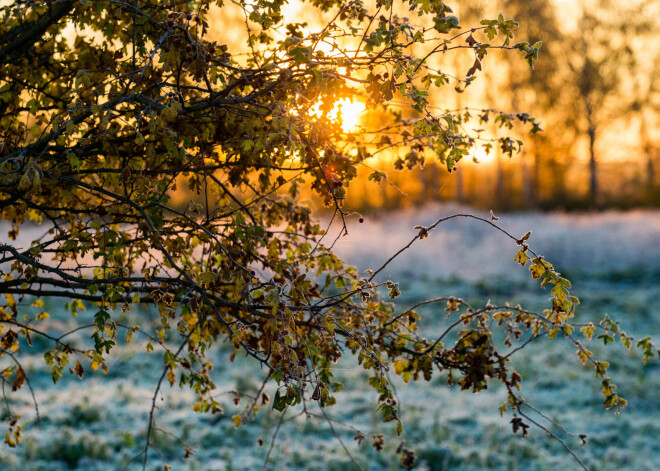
{"x":198,"y":68}
{"x":8,"y":340}
{"x":19,"y":380}
{"x":80,"y":371}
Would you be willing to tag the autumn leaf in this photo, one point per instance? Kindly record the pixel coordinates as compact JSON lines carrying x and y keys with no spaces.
{"x":80,"y":371}
{"x":19,"y":380}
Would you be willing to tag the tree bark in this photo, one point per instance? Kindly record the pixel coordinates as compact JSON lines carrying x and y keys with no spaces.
{"x":19,"y":40}
{"x":593,"y":165}
{"x":458,"y":175}
{"x":648,"y":154}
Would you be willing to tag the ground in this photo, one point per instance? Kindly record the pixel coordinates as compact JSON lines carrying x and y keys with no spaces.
{"x":612,"y":259}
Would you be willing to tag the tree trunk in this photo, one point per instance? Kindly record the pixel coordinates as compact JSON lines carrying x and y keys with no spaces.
{"x":536,"y":170}
{"x":650,"y":172}
{"x":500,"y":197}
{"x":527,"y":179}
{"x":593,"y":166}
{"x":458,"y":175}
{"x":648,"y":153}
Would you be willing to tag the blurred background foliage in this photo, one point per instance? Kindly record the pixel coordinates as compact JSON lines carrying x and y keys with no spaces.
{"x":595,"y":89}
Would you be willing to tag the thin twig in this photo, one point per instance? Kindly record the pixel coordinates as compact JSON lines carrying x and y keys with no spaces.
{"x":272,"y":441}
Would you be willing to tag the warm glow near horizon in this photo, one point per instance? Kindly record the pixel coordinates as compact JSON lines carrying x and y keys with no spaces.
{"x":345,"y":110}
{"x":348,"y":111}
{"x":479,"y":155}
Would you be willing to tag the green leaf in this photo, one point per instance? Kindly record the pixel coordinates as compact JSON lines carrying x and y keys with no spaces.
{"x":100,"y":318}
{"x":279,"y":402}
{"x":300,"y":55}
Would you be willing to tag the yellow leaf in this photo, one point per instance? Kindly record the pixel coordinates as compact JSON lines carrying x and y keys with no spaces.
{"x":237,"y":420}
{"x":399,"y":366}
{"x":24,"y":183}
{"x":170,"y":377}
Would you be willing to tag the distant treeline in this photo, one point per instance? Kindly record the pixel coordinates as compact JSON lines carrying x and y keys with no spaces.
{"x":514,"y":184}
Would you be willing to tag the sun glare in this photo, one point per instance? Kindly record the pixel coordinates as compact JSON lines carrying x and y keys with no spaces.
{"x":348,"y":111}
{"x":479,"y":155}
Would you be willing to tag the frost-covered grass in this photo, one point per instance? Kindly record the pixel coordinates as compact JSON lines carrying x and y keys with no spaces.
{"x":612,"y":259}
{"x":598,"y":244}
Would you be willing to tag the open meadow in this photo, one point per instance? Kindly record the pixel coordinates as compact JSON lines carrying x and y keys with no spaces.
{"x":612,"y":259}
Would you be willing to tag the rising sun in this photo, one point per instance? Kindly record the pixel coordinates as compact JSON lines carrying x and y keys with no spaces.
{"x":479,"y":155}
{"x":349,"y":112}
{"x":345,"y":111}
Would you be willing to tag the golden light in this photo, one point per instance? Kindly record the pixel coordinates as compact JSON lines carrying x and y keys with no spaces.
{"x":479,"y":155}
{"x":348,"y":112}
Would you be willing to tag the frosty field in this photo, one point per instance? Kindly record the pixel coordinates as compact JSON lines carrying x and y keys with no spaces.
{"x":613,"y":260}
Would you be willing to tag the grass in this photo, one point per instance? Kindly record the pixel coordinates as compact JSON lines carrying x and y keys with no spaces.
{"x":99,"y":424}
